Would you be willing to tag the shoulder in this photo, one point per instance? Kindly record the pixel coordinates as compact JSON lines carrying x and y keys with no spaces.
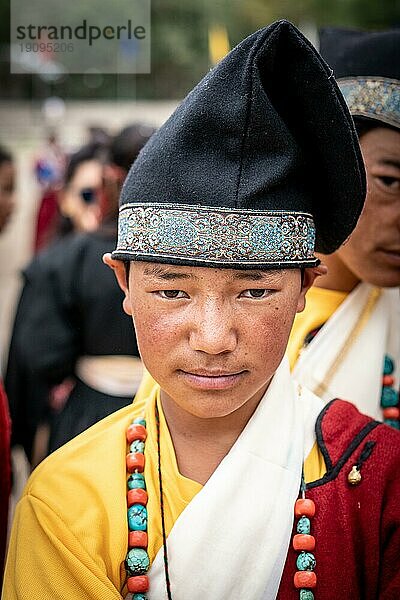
{"x":75,"y":502}
{"x":87,"y":471}
{"x":341,"y":429}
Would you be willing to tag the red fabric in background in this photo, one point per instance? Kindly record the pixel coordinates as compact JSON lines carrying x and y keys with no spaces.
{"x":356,"y":528}
{"x":46,"y":220}
{"x":5,"y":473}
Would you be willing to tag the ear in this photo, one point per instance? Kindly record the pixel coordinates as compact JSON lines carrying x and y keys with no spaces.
{"x":120,"y":273}
{"x":310,"y":275}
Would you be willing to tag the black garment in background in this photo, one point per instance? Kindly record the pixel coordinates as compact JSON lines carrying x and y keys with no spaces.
{"x":71,"y":306}
{"x":27,"y":392}
{"x":85,"y":407}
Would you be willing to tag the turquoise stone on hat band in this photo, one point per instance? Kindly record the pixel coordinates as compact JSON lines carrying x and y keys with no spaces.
{"x":215,"y":236}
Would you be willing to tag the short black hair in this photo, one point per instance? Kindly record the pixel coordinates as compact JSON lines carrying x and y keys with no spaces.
{"x":127,"y":264}
{"x":363,"y":126}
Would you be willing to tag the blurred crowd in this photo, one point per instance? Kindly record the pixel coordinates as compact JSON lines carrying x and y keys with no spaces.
{"x":76,"y":224}
{"x":64,"y":371}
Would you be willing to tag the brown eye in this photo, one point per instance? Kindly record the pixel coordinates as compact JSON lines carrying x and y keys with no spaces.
{"x":255,"y":293}
{"x":172,"y":294}
{"x":392,"y":183}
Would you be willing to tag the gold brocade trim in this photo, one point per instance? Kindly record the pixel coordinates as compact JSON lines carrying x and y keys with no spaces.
{"x":362,"y":320}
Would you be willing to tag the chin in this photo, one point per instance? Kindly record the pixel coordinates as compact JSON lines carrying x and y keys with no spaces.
{"x":383,"y":278}
{"x":212,"y":408}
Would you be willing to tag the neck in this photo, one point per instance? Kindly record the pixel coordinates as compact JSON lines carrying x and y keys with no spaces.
{"x":339,"y":277}
{"x":201,"y":444}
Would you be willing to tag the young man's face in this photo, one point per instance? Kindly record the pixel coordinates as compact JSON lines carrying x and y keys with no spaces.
{"x":212,"y":338}
{"x":373,"y":251}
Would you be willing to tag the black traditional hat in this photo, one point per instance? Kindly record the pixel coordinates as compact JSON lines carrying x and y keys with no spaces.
{"x":259,"y":164}
{"x":367,"y":68}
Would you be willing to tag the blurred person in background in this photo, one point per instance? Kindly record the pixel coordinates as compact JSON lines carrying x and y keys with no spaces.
{"x":28,"y":394}
{"x":124,"y":150}
{"x":347,"y":341}
{"x":60,"y":336}
{"x":98,"y":135}
{"x":49,"y":171}
{"x":7,"y":184}
{"x":79,"y":199}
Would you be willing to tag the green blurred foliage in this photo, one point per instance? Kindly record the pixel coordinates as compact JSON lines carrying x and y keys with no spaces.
{"x":180,"y":42}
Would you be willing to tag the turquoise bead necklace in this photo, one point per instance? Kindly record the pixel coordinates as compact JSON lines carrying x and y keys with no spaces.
{"x":137,"y":561}
{"x":303,"y":542}
{"x":390,"y":396}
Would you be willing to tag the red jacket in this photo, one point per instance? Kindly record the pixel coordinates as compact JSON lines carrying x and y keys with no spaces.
{"x":356,"y":528}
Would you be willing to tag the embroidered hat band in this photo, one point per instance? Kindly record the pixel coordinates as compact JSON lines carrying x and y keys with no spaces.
{"x":217,"y":236}
{"x":376,"y":98}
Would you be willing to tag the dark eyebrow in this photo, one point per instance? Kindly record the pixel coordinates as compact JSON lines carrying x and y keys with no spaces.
{"x":166,"y":274}
{"x":390,"y":162}
{"x":258,"y":275}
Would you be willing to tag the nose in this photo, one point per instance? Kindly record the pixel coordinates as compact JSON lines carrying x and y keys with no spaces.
{"x":213,"y":330}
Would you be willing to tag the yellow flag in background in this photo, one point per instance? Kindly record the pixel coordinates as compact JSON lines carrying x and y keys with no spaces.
{"x":218,"y":43}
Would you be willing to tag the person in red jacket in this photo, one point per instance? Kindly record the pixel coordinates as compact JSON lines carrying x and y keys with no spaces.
{"x":229,"y":480}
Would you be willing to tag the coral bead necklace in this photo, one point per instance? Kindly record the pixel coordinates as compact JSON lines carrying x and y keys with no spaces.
{"x":137,"y":561}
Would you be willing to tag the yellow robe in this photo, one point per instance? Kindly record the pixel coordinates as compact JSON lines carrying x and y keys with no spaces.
{"x":320,"y":306}
{"x":69,"y":537}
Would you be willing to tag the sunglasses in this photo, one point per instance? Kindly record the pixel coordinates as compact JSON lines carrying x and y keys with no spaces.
{"x":88,"y":195}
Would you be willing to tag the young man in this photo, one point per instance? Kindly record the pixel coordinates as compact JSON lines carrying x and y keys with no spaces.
{"x":218,"y":222}
{"x":352,"y":319}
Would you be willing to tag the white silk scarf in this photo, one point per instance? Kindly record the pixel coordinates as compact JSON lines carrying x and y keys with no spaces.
{"x":231,"y":541}
{"x":358,"y":377}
